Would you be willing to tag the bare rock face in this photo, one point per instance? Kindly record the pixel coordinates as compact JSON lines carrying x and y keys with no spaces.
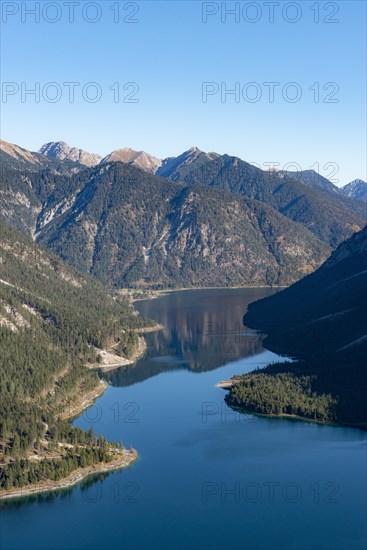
{"x":141,"y":159}
{"x":62,"y":151}
{"x":172,"y":167}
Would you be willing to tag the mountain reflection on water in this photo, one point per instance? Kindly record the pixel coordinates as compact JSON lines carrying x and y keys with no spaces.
{"x":202,"y":331}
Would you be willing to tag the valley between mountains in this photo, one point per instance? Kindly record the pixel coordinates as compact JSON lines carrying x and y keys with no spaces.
{"x":76,"y":228}
{"x":200,"y":219}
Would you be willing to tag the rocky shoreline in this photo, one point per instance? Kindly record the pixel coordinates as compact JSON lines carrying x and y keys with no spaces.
{"x":227,"y":384}
{"x":111,"y":361}
{"x":146,"y":330}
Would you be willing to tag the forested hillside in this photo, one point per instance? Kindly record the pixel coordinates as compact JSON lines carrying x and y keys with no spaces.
{"x":330,"y":216}
{"x":53,"y":321}
{"x":211,"y":221}
{"x":322,"y":321}
{"x":356,"y":190}
{"x":128,"y":227}
{"x":312,"y":178}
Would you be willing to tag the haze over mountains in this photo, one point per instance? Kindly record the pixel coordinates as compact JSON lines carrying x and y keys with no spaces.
{"x":201,"y":219}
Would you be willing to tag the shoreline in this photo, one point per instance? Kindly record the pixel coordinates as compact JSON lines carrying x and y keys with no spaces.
{"x":227,"y":384}
{"x":73,"y":479}
{"x":163,"y":292}
{"x":113,"y":361}
{"x":238,"y":287}
{"x":83,"y":402}
{"x":146,"y":330}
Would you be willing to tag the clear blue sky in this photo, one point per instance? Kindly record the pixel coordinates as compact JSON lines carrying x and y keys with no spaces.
{"x":169,"y":53}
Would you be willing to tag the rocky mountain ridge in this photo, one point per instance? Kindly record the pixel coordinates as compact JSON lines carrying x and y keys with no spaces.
{"x":63,"y":151}
{"x":356,"y":189}
{"x":212,"y":220}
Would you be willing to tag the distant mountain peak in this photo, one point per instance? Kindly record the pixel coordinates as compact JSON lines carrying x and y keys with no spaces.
{"x":194,"y":150}
{"x":311,"y":178}
{"x":141,"y":159}
{"x":356,"y":190}
{"x":174,"y":167}
{"x":62,"y":151}
{"x":357,"y":182}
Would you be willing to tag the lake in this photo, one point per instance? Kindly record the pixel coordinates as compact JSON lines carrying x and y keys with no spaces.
{"x":207,"y":477}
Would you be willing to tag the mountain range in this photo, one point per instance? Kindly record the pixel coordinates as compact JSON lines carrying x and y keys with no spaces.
{"x":176,"y":168}
{"x":207,"y":219}
{"x":199,"y":219}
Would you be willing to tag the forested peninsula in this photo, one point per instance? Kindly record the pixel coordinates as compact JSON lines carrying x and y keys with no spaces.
{"x":321,"y":322}
{"x":54,"y":322}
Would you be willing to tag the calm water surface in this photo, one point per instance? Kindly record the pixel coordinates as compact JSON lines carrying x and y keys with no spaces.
{"x":206,"y":478}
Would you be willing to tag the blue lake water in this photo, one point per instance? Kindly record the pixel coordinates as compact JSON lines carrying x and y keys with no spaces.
{"x":206,"y":477}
